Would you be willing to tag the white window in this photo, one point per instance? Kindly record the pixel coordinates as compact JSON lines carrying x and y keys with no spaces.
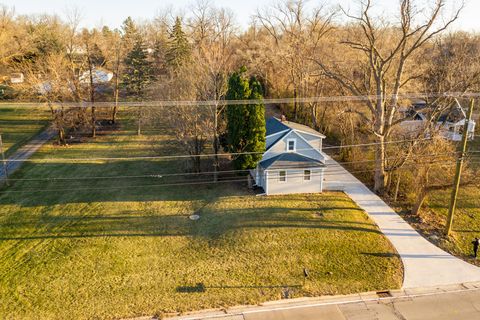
{"x":307,"y":175}
{"x":291,"y":145}
{"x":282,"y":176}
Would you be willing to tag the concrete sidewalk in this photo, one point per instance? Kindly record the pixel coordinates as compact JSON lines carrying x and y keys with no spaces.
{"x":425,"y":264}
{"x":26,"y":152}
{"x":444,"y":303}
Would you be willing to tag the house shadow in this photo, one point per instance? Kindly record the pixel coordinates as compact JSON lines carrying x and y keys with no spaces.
{"x":152,"y":181}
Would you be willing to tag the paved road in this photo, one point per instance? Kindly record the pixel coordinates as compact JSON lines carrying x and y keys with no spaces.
{"x":446,"y":303}
{"x":425,"y":264}
{"x":26,"y":152}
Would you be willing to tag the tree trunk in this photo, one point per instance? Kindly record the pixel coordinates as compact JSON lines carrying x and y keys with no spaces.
{"x":397,"y":187}
{"x":115,"y":107}
{"x":117,"y":85}
{"x":419,"y":202}
{"x":380,"y":176}
{"x":61,"y":136}
{"x":216,"y":163}
{"x":94,"y":120}
{"x":139,"y":122}
{"x":295,"y":104}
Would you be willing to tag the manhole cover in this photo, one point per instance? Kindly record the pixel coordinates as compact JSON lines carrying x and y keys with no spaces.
{"x":194,"y":217}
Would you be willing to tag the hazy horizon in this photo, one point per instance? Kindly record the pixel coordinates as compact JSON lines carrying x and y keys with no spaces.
{"x":113,"y":13}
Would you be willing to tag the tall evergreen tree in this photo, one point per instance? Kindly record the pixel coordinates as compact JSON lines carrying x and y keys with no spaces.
{"x":130,"y":33}
{"x":245,"y":123}
{"x":178,"y":48}
{"x":138,"y":72}
{"x":255,"y":134}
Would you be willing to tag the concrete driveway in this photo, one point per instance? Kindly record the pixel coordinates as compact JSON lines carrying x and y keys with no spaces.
{"x":425,"y":264}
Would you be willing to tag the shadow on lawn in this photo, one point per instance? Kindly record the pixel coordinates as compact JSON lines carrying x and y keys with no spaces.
{"x":200,"y":287}
{"x":211,"y":226}
{"x":118,"y":181}
{"x":123,"y":181}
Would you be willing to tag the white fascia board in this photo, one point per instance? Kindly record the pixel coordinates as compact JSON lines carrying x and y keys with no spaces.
{"x":277,"y":133}
{"x":312,"y":134}
{"x":286,"y":137}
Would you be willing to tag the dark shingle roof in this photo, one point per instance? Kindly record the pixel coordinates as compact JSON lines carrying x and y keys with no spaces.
{"x":275,"y":126}
{"x":290,"y":161}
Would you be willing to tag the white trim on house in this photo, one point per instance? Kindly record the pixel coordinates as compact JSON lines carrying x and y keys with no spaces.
{"x":280,"y":176}
{"x":270,"y":149}
{"x":265,"y":187}
{"x":294,"y":145}
{"x":277,"y":133}
{"x":311,"y":133}
{"x":305,"y":175}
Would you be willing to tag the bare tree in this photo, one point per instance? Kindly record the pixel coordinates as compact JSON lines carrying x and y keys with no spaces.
{"x":297,"y":32}
{"x":192,"y":130}
{"x":212,"y":30}
{"x":387,"y":51}
{"x":49,"y":81}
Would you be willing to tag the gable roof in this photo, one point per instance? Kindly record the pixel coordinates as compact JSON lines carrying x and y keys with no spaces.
{"x":275,"y":126}
{"x":303,"y":128}
{"x":290,"y":161}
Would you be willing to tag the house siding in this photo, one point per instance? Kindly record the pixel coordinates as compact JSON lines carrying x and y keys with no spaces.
{"x":313,"y":140}
{"x":273,"y":138}
{"x":295,"y":182}
{"x":302,"y":147}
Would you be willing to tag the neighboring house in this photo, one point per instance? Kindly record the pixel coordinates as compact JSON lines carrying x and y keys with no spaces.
{"x":450,"y":124}
{"x":293,"y":161}
{"x":17,"y":78}
{"x":100,"y":76}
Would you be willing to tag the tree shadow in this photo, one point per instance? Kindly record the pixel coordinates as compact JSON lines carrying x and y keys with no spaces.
{"x":381,"y":254}
{"x":201,"y":287}
{"x":116,"y":181}
{"x":212,"y":225}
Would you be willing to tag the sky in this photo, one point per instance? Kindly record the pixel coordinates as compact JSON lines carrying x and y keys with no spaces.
{"x":114,"y":12}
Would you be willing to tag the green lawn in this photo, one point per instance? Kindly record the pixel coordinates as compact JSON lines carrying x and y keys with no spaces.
{"x":111,"y":248}
{"x":18,"y":124}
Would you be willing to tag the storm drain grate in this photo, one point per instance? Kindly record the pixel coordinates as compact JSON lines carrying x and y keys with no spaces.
{"x":384,"y":294}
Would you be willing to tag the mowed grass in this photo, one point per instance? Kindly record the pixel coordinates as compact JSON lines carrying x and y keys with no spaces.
{"x":19,"y":124}
{"x":113,"y":248}
{"x":467,"y":216}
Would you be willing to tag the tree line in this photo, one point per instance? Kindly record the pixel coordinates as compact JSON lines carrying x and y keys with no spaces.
{"x":292,"y":48}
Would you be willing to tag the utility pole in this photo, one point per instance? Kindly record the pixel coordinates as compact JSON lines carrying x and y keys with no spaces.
{"x":458,"y":173}
{"x":4,"y":160}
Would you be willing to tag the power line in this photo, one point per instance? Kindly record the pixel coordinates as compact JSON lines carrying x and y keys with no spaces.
{"x":106,"y":189}
{"x":200,"y":103}
{"x":163,"y":175}
{"x":46,"y":160}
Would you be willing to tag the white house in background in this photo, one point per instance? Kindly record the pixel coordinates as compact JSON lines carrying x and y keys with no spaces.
{"x":293,"y":161}
{"x":450,"y":124}
{"x":17,"y":78}
{"x":100,"y":76}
